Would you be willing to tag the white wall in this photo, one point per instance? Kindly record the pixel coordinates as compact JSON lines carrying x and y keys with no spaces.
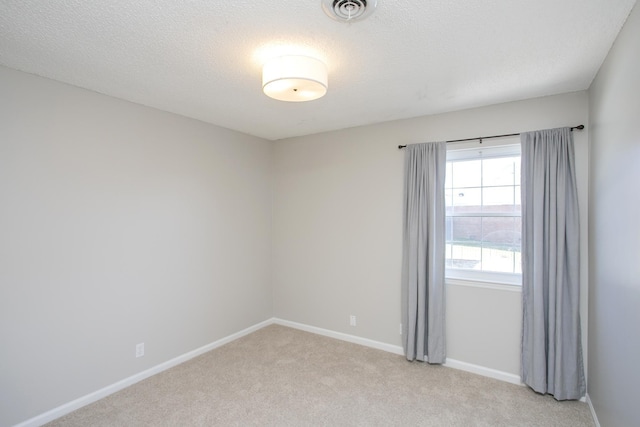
{"x":119,"y":224}
{"x":337,"y":224}
{"x":614,"y":315}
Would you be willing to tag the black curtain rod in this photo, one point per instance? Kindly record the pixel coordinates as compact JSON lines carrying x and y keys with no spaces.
{"x":579,"y":127}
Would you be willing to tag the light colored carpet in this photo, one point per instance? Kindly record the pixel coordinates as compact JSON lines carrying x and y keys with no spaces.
{"x":280,"y":376}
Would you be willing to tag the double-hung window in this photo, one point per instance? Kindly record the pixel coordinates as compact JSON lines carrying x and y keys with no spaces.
{"x":483,"y":215}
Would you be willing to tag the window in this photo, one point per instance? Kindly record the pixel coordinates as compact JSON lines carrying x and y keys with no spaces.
{"x":483,"y":215}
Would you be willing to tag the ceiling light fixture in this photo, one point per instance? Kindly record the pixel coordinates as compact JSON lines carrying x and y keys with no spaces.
{"x":348,"y":10}
{"x":294,"y":78}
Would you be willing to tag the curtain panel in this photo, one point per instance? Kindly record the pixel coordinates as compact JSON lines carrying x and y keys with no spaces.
{"x":551,"y":337}
{"x":423,"y":255}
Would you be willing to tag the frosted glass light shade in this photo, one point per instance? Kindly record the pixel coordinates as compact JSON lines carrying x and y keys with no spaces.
{"x":294,"y":78}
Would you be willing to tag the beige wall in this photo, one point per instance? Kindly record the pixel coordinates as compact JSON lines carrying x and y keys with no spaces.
{"x":119,"y":224}
{"x":122,"y":224}
{"x":337,"y":223}
{"x":614,"y":230}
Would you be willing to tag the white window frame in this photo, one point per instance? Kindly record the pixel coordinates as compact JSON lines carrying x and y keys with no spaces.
{"x":503,"y":147}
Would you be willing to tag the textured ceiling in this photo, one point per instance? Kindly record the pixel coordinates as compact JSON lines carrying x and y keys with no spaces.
{"x":203,"y":59}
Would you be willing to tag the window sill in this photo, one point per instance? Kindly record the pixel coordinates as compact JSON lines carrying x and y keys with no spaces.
{"x":483,"y":284}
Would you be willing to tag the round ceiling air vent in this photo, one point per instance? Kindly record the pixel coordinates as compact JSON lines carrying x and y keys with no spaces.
{"x":348,"y":10}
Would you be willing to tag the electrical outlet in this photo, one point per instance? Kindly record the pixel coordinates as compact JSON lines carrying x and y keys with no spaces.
{"x":352,"y":320}
{"x":400,"y":328}
{"x":140,"y":349}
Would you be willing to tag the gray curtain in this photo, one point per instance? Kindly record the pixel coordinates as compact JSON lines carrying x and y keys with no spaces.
{"x":551,"y":337}
{"x":423,"y":252}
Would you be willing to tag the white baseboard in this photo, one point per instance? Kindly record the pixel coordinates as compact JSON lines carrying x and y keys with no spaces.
{"x":485,"y":372}
{"x":395,"y":349}
{"x":110,"y":389}
{"x":593,"y":411}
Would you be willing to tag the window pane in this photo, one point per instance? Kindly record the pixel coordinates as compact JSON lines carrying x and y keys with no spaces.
{"x":517,"y":263}
{"x":467,"y":200}
{"x":498,"y":199}
{"x":500,"y":242}
{"x":498,"y":171}
{"x":448,"y":235}
{"x":466,"y":174}
{"x":497,"y":260}
{"x":500,"y":232}
{"x":517,"y":247}
{"x":448,"y":200}
{"x":476,"y":189}
{"x":517,"y":233}
{"x":464,"y":243}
